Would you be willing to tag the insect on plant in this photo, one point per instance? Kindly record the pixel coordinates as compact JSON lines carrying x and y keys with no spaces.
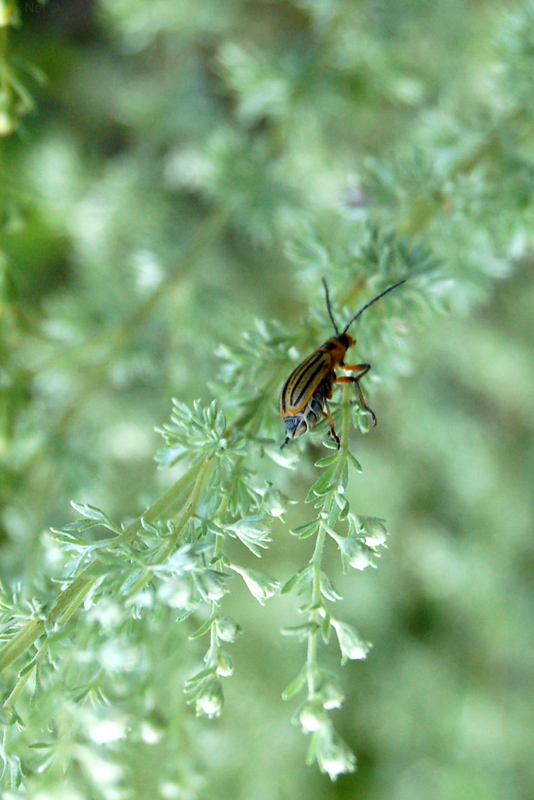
{"x":308,"y":389}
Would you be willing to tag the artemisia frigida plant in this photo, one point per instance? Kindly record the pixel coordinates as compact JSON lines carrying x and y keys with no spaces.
{"x":92,"y":630}
{"x":457,"y":196}
{"x":179,"y":553}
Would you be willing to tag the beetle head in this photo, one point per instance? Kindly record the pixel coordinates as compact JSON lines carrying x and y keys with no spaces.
{"x":345,"y":340}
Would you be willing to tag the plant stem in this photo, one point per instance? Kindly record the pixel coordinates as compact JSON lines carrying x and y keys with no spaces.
{"x":316,"y":559}
{"x":202,"y":477}
{"x":161,"y":505}
{"x":72,"y":597}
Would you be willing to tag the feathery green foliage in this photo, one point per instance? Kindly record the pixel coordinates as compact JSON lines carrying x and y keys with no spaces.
{"x":188,"y":166}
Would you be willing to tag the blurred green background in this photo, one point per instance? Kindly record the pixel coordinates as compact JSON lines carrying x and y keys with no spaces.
{"x":148,"y":197}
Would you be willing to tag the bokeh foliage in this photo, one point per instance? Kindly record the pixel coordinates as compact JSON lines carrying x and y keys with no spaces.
{"x":170,"y":172}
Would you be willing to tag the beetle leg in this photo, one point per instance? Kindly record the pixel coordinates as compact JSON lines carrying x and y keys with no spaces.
{"x":362,"y":369}
{"x":333,"y":433}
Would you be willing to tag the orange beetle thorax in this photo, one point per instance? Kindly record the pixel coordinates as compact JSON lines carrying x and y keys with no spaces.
{"x":336,"y":347}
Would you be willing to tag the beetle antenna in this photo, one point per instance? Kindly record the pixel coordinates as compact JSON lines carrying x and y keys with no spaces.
{"x":332,"y":320}
{"x":370,"y":303}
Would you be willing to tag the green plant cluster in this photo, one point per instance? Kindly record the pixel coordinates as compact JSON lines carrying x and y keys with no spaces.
{"x":242,"y":156}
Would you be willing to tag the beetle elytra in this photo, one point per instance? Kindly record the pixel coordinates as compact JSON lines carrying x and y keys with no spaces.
{"x":308,"y":389}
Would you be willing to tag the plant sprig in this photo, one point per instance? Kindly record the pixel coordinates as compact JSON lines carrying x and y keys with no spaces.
{"x":323,"y":692}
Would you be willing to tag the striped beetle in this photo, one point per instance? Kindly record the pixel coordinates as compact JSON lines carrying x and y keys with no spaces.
{"x":308,"y":389}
